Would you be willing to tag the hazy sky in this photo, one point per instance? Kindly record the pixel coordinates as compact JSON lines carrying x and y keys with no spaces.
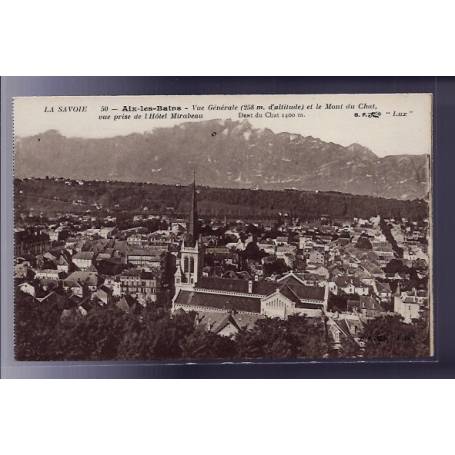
{"x":387,"y":135}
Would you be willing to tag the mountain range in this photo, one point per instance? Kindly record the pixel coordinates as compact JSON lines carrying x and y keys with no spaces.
{"x":224,"y":153}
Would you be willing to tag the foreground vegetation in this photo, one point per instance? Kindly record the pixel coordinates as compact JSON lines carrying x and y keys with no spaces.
{"x":108,"y":333}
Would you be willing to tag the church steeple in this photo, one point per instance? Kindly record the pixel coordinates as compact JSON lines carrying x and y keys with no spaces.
{"x":193,"y":226}
{"x":189,"y":269}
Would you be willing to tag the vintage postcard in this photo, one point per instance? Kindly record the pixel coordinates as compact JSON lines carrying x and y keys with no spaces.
{"x":223,"y":227}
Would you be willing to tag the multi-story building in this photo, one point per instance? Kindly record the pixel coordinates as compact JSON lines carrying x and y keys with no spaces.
{"x":140,"y":284}
{"x":143,"y":257}
{"x":30,"y":242}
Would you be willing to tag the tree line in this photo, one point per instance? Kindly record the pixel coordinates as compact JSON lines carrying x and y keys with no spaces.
{"x":213,"y":202}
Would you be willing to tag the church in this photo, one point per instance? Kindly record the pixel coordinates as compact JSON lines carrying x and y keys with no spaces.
{"x":286,"y":296}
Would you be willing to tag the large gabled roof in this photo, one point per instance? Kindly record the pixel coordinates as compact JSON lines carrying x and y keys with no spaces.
{"x":309,"y":292}
{"x":289,"y":294}
{"x":219,"y":301}
{"x":291,"y":278}
{"x":223,"y":284}
{"x":264,"y":288}
{"x":228,"y":319}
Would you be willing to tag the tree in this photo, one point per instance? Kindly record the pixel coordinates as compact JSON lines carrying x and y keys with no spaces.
{"x":395,"y":266}
{"x":390,"y":337}
{"x":253,"y":252}
{"x":363,"y":243}
{"x":337,"y":302}
{"x":349,"y":349}
{"x":35,"y":328}
{"x":93,"y":337}
{"x":275,"y":266}
{"x":156,"y":335}
{"x":201,"y":344}
{"x":295,"y":337}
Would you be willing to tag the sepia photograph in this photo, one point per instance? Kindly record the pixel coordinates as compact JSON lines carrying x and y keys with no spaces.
{"x":223,"y":228}
{"x":241,"y":204}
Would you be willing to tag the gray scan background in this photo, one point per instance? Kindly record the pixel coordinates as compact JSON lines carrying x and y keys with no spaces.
{"x":443,"y":89}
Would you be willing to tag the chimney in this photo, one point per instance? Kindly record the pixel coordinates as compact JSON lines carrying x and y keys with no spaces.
{"x":250,"y":286}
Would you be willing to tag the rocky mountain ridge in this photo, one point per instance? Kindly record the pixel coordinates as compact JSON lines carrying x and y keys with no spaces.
{"x":227,"y":154}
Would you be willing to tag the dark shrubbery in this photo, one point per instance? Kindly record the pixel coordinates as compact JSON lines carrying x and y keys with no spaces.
{"x":108,"y":333}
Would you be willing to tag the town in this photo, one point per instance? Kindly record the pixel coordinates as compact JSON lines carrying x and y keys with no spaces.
{"x":228,"y":274}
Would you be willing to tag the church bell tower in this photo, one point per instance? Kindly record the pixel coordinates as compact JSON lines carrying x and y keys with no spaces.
{"x":191,"y":253}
